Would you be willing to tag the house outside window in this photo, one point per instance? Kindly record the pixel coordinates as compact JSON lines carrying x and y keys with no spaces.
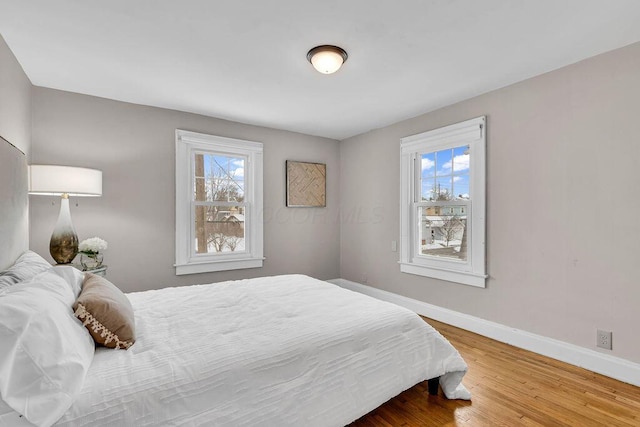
{"x":218,"y":203}
{"x":442,"y":209}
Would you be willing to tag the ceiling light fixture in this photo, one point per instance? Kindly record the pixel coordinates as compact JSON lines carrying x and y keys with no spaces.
{"x":327,"y":59}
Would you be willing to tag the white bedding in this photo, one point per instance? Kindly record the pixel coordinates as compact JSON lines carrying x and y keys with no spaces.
{"x":273,"y":351}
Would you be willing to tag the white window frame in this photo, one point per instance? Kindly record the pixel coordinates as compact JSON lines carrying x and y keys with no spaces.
{"x":187,"y":261}
{"x":472,"y":271}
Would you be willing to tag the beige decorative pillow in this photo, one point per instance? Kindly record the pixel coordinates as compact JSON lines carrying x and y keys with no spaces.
{"x":106,"y":312}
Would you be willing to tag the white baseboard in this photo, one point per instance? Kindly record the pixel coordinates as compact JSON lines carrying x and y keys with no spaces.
{"x":610,"y":366}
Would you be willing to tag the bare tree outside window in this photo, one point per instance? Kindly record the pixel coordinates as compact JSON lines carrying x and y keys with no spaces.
{"x":217,"y":240}
{"x":443,"y":231}
{"x":441,"y":194}
{"x":232,"y":242}
{"x":451,"y":228}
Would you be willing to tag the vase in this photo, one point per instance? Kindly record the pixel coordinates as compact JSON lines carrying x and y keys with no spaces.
{"x":64,"y":241}
{"x":90,"y":261}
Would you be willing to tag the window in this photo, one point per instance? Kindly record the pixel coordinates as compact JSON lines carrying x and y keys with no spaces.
{"x":442,"y":207}
{"x":218,"y":203}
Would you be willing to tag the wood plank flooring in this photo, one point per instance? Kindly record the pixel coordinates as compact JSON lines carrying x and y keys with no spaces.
{"x":512,"y":387}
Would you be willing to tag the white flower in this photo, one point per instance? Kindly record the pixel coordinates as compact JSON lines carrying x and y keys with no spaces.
{"x":93,"y":245}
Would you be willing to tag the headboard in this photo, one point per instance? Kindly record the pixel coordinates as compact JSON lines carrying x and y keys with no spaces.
{"x":14,"y":204}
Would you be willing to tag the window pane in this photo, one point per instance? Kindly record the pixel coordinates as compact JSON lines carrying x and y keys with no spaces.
{"x":428,"y":163}
{"x":219,"y":229}
{"x":428,"y":189}
{"x":461,"y":187}
{"x":443,"y":162}
{"x":200,"y":190}
{"x":443,"y":190}
{"x":200,"y":187}
{"x":219,"y":178}
{"x":443,"y":231}
{"x":461,"y":159}
{"x":427,"y":174}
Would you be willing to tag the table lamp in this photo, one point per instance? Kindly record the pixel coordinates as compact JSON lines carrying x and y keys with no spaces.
{"x":64,"y":181}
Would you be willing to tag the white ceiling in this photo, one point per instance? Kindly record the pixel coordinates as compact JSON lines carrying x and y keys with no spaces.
{"x":246,"y":60}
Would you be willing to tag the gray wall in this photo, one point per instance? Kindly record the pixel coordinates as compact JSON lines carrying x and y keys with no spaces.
{"x":563,"y":236}
{"x":15,"y":101}
{"x":134,"y":146}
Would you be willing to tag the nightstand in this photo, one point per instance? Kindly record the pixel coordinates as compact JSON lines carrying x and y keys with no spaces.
{"x":100,"y":271}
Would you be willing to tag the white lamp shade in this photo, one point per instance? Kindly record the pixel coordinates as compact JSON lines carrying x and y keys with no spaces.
{"x":50,"y":180}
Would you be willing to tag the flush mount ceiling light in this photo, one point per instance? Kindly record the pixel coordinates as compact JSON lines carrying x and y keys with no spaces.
{"x":327,"y":59}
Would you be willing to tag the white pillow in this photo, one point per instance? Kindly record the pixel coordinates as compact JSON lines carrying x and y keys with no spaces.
{"x":26,"y":266}
{"x":45,"y":351}
{"x":72,"y":276}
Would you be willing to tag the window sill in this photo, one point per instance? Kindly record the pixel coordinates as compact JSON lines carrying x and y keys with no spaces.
{"x":206,"y":267}
{"x":462,"y":277}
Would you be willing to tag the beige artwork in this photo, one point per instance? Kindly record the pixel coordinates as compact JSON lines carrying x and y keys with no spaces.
{"x":306,"y":184}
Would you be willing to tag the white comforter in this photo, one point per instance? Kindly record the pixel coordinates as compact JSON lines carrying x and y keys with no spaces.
{"x":273,"y":351}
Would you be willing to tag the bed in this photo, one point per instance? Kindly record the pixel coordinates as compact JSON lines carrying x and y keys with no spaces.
{"x":273,"y":351}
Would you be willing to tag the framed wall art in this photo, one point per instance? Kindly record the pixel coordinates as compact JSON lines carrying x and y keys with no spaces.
{"x":306,"y":184}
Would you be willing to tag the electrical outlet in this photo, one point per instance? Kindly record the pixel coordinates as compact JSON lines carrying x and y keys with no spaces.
{"x":604,"y":339}
{"x":394,"y":246}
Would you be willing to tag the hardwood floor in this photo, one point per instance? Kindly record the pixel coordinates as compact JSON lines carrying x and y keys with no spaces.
{"x":513,"y":387}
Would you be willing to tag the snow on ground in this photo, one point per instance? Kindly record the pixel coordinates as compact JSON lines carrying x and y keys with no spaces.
{"x":439,"y":244}
{"x":211,"y":248}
